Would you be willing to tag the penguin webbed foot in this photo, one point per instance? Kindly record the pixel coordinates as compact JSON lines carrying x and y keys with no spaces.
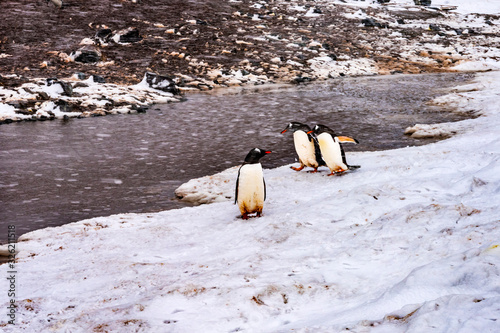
{"x":245,"y":216}
{"x":337,"y":173}
{"x":297,"y":169}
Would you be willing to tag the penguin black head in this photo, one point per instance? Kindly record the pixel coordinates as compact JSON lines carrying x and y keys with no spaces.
{"x":255,"y":155}
{"x":318,"y":129}
{"x":295,"y":126}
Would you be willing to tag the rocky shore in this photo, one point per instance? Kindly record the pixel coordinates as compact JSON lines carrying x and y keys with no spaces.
{"x":91,"y":58}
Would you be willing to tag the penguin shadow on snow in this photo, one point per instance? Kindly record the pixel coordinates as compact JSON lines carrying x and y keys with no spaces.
{"x":319,"y":146}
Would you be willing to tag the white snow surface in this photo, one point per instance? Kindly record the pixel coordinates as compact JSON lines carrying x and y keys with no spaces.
{"x":462,"y":6}
{"x":408,"y":243}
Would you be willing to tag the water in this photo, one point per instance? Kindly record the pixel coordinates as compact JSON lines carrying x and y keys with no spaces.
{"x":58,"y":172}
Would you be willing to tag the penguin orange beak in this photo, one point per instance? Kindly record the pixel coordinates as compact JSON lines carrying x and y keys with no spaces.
{"x":347,"y":139}
{"x":268,"y":152}
{"x":310,"y":132}
{"x":283,"y":131}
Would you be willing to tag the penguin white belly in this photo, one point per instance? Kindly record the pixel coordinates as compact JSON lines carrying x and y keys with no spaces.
{"x":251,"y":191}
{"x":305,"y":149}
{"x":332,"y":155}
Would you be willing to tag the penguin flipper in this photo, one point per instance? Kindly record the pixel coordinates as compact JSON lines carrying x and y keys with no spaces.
{"x":236,"y":190}
{"x":264,"y":181}
{"x":317,"y":152}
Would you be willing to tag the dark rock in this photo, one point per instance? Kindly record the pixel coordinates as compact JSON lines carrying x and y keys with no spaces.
{"x":333,"y":56}
{"x":301,"y":79}
{"x":103,"y":36}
{"x":317,"y":10}
{"x":434,"y":27}
{"x":129,"y":35}
{"x":139,"y":108}
{"x":98,"y":79}
{"x":422,"y":2}
{"x":161,"y":82}
{"x":43,"y":96}
{"x":80,"y":85}
{"x":369,"y":22}
{"x":67,"y":88}
{"x":81,"y":76}
{"x":51,"y":80}
{"x":201,"y":22}
{"x":87,"y":55}
{"x":401,"y":21}
{"x":6,"y":121}
{"x":64,"y":106}
{"x":383,"y":1}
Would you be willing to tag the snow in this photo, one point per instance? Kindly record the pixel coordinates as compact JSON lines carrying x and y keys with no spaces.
{"x":463,"y":6}
{"x":88,"y":94}
{"x":410,"y":242}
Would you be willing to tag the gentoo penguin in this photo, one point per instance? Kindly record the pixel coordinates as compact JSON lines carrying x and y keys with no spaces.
{"x":250,"y":185}
{"x":331,"y":149}
{"x":306,"y":146}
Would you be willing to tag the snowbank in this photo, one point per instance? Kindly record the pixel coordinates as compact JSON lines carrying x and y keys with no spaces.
{"x":408,"y":243}
{"x":73,"y":97}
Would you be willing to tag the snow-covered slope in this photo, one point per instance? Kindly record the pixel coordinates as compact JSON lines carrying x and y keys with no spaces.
{"x":408,"y":243}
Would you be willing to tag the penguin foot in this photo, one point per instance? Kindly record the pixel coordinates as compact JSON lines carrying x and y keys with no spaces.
{"x":297,"y":169}
{"x":313,"y":171}
{"x":246,"y":216}
{"x":337,"y":173}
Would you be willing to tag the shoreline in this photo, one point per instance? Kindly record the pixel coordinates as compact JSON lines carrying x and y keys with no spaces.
{"x":241,"y":45}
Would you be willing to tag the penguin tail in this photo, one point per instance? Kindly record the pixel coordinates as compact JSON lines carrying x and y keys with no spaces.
{"x":354,"y":167}
{"x":344,"y":139}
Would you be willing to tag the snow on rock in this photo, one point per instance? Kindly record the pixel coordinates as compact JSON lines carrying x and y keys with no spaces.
{"x":86,"y":97}
{"x":326,"y":67}
{"x":407,"y":243}
{"x":8,"y":113}
{"x":209,"y":189}
{"x":443,"y":130}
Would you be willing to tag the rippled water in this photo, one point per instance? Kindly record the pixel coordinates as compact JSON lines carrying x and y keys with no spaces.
{"x":57,"y":172}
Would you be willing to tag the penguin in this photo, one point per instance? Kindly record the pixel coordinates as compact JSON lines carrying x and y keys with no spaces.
{"x":331,"y":149}
{"x":306,"y":146}
{"x":250,"y":184}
